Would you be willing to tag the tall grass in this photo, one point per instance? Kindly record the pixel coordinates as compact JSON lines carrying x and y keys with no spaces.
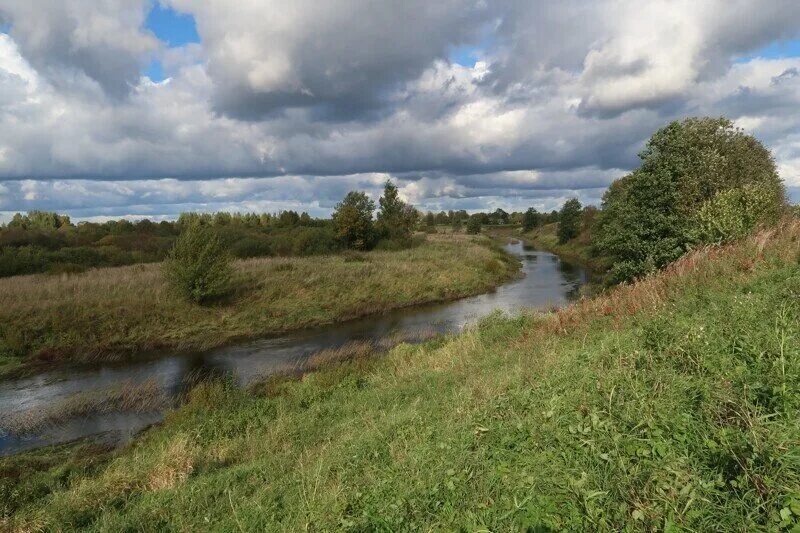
{"x":115,"y":312}
{"x":669,"y":404}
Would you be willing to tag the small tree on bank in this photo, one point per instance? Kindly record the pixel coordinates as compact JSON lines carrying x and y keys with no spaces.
{"x":198,"y":267}
{"x":473,"y":225}
{"x":396,"y":219}
{"x":569,"y":220}
{"x":352,"y":221}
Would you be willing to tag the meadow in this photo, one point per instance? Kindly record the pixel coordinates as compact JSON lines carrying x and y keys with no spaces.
{"x":113,"y":313}
{"x":667,"y":404}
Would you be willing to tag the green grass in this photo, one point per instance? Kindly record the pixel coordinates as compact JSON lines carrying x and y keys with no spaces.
{"x":671,"y":404}
{"x":117,"y":312}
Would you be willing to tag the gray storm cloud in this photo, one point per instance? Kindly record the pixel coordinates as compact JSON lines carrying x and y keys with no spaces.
{"x":314,"y":96}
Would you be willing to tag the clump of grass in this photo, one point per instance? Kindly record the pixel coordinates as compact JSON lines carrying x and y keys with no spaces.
{"x":668,"y":404}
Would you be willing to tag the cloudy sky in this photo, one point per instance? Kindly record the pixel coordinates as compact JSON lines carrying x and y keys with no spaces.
{"x":115,"y":108}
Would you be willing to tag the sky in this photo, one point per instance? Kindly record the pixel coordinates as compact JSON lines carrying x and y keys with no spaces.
{"x":144,"y":108}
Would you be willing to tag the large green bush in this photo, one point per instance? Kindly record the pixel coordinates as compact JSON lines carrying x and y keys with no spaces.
{"x":684,"y":194}
{"x":198,"y":267}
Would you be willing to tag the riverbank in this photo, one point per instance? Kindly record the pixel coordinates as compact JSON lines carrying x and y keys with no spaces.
{"x":114,"y":313}
{"x":577,"y":250}
{"x":669,"y":403}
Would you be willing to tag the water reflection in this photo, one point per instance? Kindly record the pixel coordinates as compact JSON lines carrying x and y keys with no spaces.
{"x":547,"y":282}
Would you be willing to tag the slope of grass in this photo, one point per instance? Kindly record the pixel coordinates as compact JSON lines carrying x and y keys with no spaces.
{"x":671,"y":404}
{"x":113,"y":312}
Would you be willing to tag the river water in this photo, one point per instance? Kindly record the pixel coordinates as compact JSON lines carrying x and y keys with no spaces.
{"x":547,"y":282}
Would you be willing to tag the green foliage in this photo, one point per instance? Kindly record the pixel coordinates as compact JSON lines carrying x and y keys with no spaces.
{"x":530,"y":219}
{"x":734,"y":213}
{"x":352,"y":221}
{"x":396,"y":219}
{"x":679,"y":196}
{"x":39,"y":220}
{"x":473,"y":225}
{"x":569,"y":220}
{"x":198,"y":267}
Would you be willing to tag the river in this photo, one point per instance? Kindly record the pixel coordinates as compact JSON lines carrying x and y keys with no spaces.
{"x":547,"y":282}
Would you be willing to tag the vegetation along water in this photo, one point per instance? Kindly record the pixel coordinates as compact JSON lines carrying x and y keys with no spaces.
{"x":668,"y":401}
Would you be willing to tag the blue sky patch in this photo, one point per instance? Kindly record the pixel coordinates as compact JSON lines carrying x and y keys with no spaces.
{"x":776,"y":50}
{"x":173,"y":28}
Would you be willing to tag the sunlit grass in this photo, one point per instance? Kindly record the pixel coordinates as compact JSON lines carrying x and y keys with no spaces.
{"x":669,"y":403}
{"x":114,"y":312}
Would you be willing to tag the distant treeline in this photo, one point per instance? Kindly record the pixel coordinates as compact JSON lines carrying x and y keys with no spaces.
{"x":48,"y":242}
{"x":41,"y":241}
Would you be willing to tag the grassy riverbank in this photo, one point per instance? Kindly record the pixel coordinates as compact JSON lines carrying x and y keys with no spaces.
{"x":115,"y":312}
{"x":671,"y":403}
{"x":578,"y":250}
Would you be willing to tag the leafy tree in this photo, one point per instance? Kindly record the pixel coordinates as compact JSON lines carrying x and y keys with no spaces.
{"x":430,"y":219}
{"x":456,"y":225}
{"x":474,"y":225}
{"x":396,"y":219}
{"x":44,"y":220}
{"x":198,"y":267}
{"x":352,"y":221}
{"x":569,"y":220}
{"x":530,"y":219}
{"x":683,"y":194}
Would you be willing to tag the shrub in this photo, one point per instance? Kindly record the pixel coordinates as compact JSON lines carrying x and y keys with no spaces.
{"x":198,"y":267}
{"x":569,"y":220}
{"x":735,"y":213}
{"x":473,"y":225}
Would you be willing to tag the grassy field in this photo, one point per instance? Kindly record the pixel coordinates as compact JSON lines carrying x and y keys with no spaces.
{"x":671,"y":404}
{"x":115,"y":312}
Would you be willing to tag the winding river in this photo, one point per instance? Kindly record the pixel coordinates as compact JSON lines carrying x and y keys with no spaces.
{"x":547,"y":282}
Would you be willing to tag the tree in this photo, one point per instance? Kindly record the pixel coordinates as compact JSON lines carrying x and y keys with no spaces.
{"x":474,"y":225}
{"x":569,"y":220}
{"x":530,"y":219}
{"x":396,"y":219}
{"x":198,"y":267}
{"x":683,"y":190}
{"x":352,"y":221}
{"x":430,"y":219}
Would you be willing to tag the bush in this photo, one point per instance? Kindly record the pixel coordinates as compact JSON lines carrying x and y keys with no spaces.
{"x":734,"y":213}
{"x":198,"y":267}
{"x":473,"y":225}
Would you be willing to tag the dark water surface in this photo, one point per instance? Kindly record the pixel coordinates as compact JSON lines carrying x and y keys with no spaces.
{"x":548,"y":282}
